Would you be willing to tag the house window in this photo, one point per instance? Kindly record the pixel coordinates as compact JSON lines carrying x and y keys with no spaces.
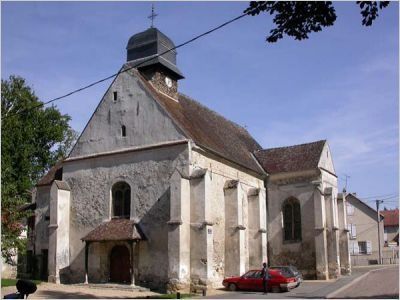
{"x":365,"y":247}
{"x":123,"y":130}
{"x":291,"y":220}
{"x":115,"y":96}
{"x":349,"y":209}
{"x":121,"y":200}
{"x":352,"y":230}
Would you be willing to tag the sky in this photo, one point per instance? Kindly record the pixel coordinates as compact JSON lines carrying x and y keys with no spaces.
{"x":342,"y":84}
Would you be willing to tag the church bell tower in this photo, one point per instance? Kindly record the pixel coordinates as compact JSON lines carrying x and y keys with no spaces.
{"x":161,"y":71}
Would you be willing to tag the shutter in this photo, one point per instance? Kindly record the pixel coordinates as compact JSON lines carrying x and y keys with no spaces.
{"x":350,"y":209}
{"x":356,"y":249}
{"x":369,"y":247}
{"x":353,"y":231}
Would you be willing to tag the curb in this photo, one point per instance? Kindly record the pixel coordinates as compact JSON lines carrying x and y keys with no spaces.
{"x":332,"y":294}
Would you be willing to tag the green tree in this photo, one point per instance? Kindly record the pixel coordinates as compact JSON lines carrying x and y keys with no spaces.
{"x":33,"y":138}
{"x":299,"y":18}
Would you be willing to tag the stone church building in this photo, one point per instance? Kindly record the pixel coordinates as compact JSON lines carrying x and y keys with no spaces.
{"x":163,"y":192}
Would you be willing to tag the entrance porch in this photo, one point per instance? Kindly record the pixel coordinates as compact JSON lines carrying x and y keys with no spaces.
{"x":112,"y":243}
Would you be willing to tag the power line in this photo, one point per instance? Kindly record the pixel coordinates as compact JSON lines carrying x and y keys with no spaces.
{"x":378,"y":196}
{"x":127,"y":69}
{"x":389,"y":199}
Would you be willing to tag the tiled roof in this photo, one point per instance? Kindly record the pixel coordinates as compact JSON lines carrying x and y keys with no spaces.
{"x":391,"y":217}
{"x":115,"y":230}
{"x":291,"y":159}
{"x":55,"y":173}
{"x":208,"y":129}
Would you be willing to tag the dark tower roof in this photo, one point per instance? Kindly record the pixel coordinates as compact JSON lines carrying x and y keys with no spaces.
{"x":152,"y":42}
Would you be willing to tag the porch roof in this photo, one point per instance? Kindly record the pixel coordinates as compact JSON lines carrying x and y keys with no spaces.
{"x":115,"y":230}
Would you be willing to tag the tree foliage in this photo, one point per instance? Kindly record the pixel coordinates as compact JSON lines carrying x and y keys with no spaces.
{"x":32,"y":140}
{"x":299,"y":18}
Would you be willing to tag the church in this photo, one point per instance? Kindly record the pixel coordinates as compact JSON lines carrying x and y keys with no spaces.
{"x":160,"y":191}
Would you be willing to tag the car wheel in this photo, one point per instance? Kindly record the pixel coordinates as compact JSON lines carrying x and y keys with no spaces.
{"x":232,"y":287}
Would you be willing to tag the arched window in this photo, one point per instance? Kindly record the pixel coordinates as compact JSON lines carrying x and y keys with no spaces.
{"x":121,"y":200}
{"x":291,"y":220}
{"x":123,"y":130}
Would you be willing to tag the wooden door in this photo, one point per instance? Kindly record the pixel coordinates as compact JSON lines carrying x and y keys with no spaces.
{"x":120,"y":265}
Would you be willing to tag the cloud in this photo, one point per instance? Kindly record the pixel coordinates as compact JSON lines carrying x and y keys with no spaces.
{"x":357,"y":113}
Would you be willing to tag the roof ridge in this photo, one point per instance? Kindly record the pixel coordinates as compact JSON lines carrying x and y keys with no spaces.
{"x":292,"y":146}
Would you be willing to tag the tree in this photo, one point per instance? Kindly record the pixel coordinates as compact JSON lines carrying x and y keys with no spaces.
{"x":33,"y":138}
{"x":299,"y":18}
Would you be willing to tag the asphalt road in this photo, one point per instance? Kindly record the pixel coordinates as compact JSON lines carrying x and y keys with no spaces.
{"x":321,"y":289}
{"x":383,"y":283}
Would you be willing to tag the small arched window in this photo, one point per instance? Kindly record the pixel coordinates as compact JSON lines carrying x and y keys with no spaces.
{"x":291,"y":220}
{"x":121,"y":200}
{"x":123,"y":130}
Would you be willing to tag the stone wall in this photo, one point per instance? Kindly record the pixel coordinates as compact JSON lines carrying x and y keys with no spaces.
{"x":148,"y":173}
{"x":300,"y":253}
{"x":220,"y":173}
{"x":158,"y":78}
{"x":42,"y":219}
{"x":145,"y":121}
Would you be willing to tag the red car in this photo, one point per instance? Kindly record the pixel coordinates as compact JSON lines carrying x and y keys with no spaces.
{"x":252,"y":281}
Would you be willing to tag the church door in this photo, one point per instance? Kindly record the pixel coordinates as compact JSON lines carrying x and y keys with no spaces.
{"x":120,"y":265}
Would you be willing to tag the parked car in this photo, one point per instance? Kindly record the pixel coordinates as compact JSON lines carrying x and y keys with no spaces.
{"x":252,"y":281}
{"x":290,"y":271}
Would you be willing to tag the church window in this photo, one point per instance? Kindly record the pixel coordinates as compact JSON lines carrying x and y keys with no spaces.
{"x":121,"y":200}
{"x":123,"y":130}
{"x":115,"y":96}
{"x":292,"y":220}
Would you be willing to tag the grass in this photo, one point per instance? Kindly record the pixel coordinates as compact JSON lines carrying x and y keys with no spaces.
{"x":13,"y":282}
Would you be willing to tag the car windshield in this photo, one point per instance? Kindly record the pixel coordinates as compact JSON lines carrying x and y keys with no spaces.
{"x":285,"y":271}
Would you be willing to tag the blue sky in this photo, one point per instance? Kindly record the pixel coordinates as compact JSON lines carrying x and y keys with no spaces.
{"x":340,"y":85}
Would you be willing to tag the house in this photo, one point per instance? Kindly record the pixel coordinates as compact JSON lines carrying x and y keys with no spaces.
{"x":363,"y":231}
{"x":161,"y":191}
{"x":391,"y":226}
{"x":306,"y":215}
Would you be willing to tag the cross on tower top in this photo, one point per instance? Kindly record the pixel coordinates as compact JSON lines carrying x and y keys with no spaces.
{"x":152,"y":16}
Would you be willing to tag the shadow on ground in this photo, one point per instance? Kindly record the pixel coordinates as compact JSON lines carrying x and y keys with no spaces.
{"x":75,"y":295}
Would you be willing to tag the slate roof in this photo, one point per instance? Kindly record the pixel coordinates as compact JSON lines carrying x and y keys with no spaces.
{"x":55,"y":173}
{"x":209,"y":129}
{"x":291,"y":159}
{"x":115,"y":230}
{"x":391,"y":217}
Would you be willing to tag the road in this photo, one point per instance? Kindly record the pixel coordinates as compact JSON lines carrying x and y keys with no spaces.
{"x":321,"y":289}
{"x":383,"y":283}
